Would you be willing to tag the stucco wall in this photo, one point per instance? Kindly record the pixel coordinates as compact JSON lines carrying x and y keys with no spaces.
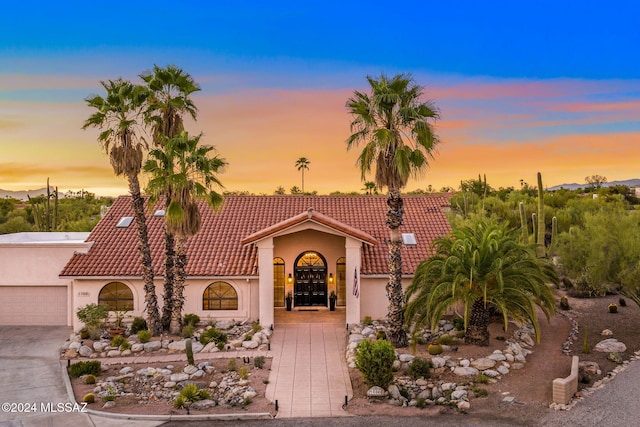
{"x":87,"y":291}
{"x":373,"y":296}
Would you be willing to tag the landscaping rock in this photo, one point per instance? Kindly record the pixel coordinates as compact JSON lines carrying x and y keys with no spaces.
{"x":610,"y":345}
{"x":406,"y":358}
{"x":190,"y":370}
{"x":466,"y":372}
{"x":151,"y":346}
{"x":203,"y":404}
{"x":483,"y":363}
{"x":85,"y":351}
{"x":113,"y":353}
{"x":137,"y":347}
{"x":179,"y":377}
{"x":438,"y":362}
{"x":177,"y":345}
{"x":250,"y":344}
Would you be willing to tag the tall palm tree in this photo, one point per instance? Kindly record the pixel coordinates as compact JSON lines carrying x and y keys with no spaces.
{"x":398,"y":137}
{"x":185,"y":172}
{"x":486,"y":268}
{"x":169,"y":101}
{"x":117,"y":115}
{"x":302,"y":164}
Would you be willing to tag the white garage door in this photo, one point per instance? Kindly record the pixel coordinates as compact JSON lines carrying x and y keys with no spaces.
{"x":33,"y":305}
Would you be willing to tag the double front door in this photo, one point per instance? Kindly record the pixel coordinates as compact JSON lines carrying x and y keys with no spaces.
{"x":310,"y":280}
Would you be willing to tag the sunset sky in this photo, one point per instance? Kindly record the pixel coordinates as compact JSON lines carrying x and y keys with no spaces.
{"x":545,"y":86}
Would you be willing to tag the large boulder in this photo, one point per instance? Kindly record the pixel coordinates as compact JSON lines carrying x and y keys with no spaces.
{"x":610,"y":345}
{"x":483,"y":363}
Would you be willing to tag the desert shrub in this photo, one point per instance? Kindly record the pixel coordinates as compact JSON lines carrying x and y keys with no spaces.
{"x":246,"y":401}
{"x":85,"y":367}
{"x":248,"y":336}
{"x":381,"y":335}
{"x":84,"y":334}
{"x":419,"y":368}
{"x":375,"y":361}
{"x":89,"y":398}
{"x":191,"y":319}
{"x":110,"y":396}
{"x":367,"y":320}
{"x":243,"y":371}
{"x":144,"y":336}
{"x":191,"y":393}
{"x":480,"y":392}
{"x":213,"y":335}
{"x":231,"y":365}
{"x":220,"y":345}
{"x":255,"y":327}
{"x":93,"y":315}
{"x":258,"y":362}
{"x":90,"y":379}
{"x":117,"y":341}
{"x":482,"y":379}
{"x":435,"y":349}
{"x":446,"y":340}
{"x":126,"y":345}
{"x":188,"y":330}
{"x":138,"y":324}
{"x":458,"y":323}
{"x":421,"y":403}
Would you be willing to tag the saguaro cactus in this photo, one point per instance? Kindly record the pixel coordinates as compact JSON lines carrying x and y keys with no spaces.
{"x":540,"y":249}
{"x":524,"y":228}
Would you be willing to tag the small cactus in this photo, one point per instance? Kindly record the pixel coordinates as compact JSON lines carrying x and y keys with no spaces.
{"x":586,"y":349}
{"x":189,"y":350}
{"x":435,"y":349}
{"x":622,"y":302}
{"x":564,"y":303}
{"x":613,"y":308}
{"x":89,"y":398}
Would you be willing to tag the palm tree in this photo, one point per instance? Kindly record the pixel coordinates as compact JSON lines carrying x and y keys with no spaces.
{"x":394,"y":127}
{"x":170,"y":89}
{"x":370,"y":188}
{"x":485,"y":268}
{"x":302,"y":163}
{"x":185,"y":172}
{"x":117,"y":116}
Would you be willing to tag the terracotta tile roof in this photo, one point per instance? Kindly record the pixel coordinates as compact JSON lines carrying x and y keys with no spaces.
{"x":313,"y":216}
{"x":218,"y":249}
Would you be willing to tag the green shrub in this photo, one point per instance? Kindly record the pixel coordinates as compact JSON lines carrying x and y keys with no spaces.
{"x":419,"y":368}
{"x":86,"y":367}
{"x":231,"y":365}
{"x":191,"y":319}
{"x":126,"y":345}
{"x":381,"y":335}
{"x":191,"y":393}
{"x":246,"y":401}
{"x":110,"y":396}
{"x":375,"y":361}
{"x":117,"y":341}
{"x":248,"y":336}
{"x":367,"y":320}
{"x":220,"y":345}
{"x":480,"y":392}
{"x":258,"y":362}
{"x":89,"y":398}
{"x":243,"y":371}
{"x":482,"y":379}
{"x":93,"y":315}
{"x":188,"y":330}
{"x":447,"y":340}
{"x":138,"y":324}
{"x":84,"y":334}
{"x":458,"y":323}
{"x":255,"y":327}
{"x":90,"y":379}
{"x":94,"y":332}
{"x":213,"y":335}
{"x":144,"y":336}
{"x":421,"y":403}
{"x":435,"y":349}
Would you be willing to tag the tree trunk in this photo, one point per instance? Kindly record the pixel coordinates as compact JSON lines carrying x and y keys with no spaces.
{"x":478,"y":327}
{"x":150,"y":298}
{"x":178,"y":286}
{"x":169,"y":261}
{"x":397,"y":335}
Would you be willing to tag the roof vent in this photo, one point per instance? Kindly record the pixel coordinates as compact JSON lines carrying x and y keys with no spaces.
{"x":159,"y":212}
{"x":124,"y":222}
{"x":409,"y":239}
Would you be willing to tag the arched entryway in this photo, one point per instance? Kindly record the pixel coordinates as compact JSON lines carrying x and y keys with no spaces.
{"x":310,"y":287}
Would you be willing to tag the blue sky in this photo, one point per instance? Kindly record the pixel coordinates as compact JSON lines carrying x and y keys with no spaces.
{"x":518,"y":84}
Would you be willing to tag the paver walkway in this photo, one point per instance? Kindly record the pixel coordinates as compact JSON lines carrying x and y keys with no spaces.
{"x":309,"y":375}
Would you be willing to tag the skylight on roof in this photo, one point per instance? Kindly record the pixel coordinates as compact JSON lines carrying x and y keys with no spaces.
{"x":409,"y":239}
{"x":124,"y":222}
{"x":159,"y":212}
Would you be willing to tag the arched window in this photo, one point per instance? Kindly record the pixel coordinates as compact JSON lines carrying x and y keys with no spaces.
{"x":220,"y":296}
{"x":278,"y":282}
{"x":117,"y":296}
{"x":341,"y":281}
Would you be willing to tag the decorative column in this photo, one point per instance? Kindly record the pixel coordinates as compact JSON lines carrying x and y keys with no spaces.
{"x":265,"y":284}
{"x":353,"y":250}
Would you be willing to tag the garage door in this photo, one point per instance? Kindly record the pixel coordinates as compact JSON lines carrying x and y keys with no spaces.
{"x":33,"y":305}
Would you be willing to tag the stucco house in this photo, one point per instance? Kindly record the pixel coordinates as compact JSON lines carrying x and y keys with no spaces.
{"x":254,"y":251}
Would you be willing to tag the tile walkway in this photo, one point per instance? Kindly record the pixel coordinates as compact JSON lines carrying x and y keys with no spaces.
{"x":309,"y":375}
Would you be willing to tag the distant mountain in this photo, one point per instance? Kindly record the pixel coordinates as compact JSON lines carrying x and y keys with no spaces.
{"x":629,"y":183}
{"x":22,"y":195}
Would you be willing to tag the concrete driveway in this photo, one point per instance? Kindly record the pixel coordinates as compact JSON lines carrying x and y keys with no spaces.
{"x":32,"y":382}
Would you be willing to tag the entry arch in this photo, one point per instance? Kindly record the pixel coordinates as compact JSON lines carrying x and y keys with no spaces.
{"x":310,"y":287}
